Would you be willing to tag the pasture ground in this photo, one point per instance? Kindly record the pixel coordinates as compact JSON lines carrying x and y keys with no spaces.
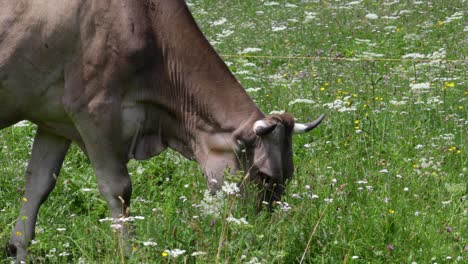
{"x":382,"y":180}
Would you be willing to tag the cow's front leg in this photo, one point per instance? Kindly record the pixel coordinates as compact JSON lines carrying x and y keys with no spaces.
{"x":215,"y":165}
{"x":46,"y":160}
{"x":100,"y":130}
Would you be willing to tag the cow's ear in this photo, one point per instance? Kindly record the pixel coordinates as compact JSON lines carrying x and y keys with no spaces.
{"x":263,"y":127}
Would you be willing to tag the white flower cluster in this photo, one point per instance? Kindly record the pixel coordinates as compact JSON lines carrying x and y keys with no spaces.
{"x":230,"y":188}
{"x":175,"y":252}
{"x":117,"y":223}
{"x":341,"y":105}
{"x":240,"y":221}
{"x":211,"y":205}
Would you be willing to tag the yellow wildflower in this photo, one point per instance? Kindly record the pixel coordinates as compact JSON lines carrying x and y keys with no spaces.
{"x":391,"y":211}
{"x":24,"y":199}
{"x":18,"y":233}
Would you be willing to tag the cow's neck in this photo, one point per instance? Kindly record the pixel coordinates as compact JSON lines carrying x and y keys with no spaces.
{"x":202,"y":92}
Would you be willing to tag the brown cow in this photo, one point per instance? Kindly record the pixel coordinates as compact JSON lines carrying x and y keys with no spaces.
{"x":127,"y":79}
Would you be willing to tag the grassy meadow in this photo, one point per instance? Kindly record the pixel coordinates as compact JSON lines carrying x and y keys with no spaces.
{"x":382,"y":180}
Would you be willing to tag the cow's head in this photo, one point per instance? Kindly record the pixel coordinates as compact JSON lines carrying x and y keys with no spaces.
{"x":270,"y":156}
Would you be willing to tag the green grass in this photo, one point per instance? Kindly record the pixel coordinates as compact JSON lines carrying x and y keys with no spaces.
{"x":395,"y":164}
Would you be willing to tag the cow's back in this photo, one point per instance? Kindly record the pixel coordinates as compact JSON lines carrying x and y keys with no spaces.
{"x":37,"y":38}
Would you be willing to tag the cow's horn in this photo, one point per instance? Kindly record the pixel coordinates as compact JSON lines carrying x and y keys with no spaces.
{"x":262,"y":128}
{"x":304,"y":128}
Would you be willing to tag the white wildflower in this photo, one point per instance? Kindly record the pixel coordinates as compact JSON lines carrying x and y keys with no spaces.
{"x":279,"y":28}
{"x":394,"y":102}
{"x":420,"y":87}
{"x":150,"y":243}
{"x":372,"y":16}
{"x":328,"y":200}
{"x":106,"y":219}
{"x":439,"y":54}
{"x":354,"y":3}
{"x":249,"y":50}
{"x":140,"y":170}
{"x":60,"y":229}
{"x":366,"y":54}
{"x":271,"y":3}
{"x":198,"y":253}
{"x":277,"y":112}
{"x":456,"y":16}
{"x":295,"y":195}
{"x":250,"y":90}
{"x":211,"y":204}
{"x":230,"y":188}
{"x":300,"y":100}
{"x":391,"y":17}
{"x":175,"y":252}
{"x":340,"y":106}
{"x":313,"y":196}
{"x":362,"y":41}
{"x":64,"y":254}
{"x":309,"y":16}
{"x":254,"y":260}
{"x":284,"y":206}
{"x":413,"y":56}
{"x":242,"y":72}
{"x":219,"y":22}
{"x":240,"y":221}
{"x":225,"y":33}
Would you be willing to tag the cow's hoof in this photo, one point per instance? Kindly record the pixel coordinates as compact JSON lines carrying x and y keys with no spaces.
{"x":11,"y":250}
